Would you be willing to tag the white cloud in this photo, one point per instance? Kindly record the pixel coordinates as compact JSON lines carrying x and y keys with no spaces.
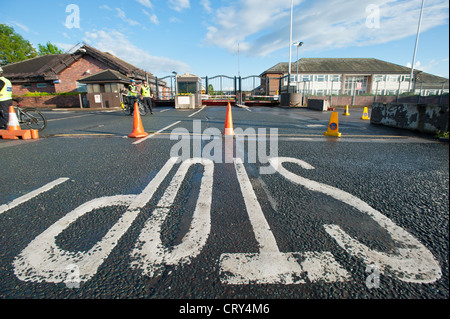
{"x":22,"y":26}
{"x":206,"y":5}
{"x":262,"y":27}
{"x":433,"y":66}
{"x":238,"y":22}
{"x":153,"y":17}
{"x":146,"y":3}
{"x":117,"y":44}
{"x":121,"y":14}
{"x":179,"y":5}
{"x":174,"y":20}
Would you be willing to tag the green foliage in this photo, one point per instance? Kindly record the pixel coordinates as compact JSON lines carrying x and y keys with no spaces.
{"x":49,"y":49}
{"x":440,"y":134}
{"x":13,"y":47}
{"x":37,"y":94}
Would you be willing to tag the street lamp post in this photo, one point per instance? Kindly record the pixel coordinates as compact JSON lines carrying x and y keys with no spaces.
{"x":415,"y":47}
{"x":175,"y":76}
{"x":298,"y":45}
{"x":290,"y":39}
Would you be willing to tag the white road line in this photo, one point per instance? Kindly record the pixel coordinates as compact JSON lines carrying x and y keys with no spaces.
{"x":150,"y":254}
{"x":197,"y":112}
{"x":68,"y":118}
{"x":270,"y":266}
{"x":411,"y":261}
{"x":245,"y":107}
{"x":162,"y":111}
{"x":161,"y":130}
{"x":43,"y":261}
{"x":24,"y":198}
{"x":263,"y":234}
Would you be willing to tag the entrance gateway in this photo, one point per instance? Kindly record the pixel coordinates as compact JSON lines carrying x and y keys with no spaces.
{"x":43,"y":261}
{"x":189,"y":91}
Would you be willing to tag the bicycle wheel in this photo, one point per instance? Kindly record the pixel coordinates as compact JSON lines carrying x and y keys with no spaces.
{"x":142,"y":109}
{"x":33,"y":119}
{"x":126,"y":109}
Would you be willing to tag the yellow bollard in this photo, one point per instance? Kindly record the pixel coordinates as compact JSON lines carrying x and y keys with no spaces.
{"x":365,"y":115}
{"x":333,"y":126}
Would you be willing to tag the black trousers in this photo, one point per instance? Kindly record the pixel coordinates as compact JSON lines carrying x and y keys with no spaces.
{"x":131,"y":101}
{"x":149,"y":103}
{"x":4,"y":113}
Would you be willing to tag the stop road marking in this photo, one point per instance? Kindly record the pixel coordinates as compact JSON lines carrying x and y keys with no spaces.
{"x":43,"y":261}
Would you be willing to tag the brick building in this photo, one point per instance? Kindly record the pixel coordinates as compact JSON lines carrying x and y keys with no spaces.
{"x":58,"y":73}
{"x":349,"y":76}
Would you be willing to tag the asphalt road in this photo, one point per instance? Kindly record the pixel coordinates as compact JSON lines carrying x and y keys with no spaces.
{"x":364,"y":216}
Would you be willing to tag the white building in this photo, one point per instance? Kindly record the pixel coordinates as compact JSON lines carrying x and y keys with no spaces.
{"x":350,"y":76}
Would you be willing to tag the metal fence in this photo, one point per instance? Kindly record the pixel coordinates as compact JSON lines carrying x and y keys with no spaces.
{"x":257,"y":87}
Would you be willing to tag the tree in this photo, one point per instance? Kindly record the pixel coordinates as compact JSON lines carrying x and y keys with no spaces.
{"x":211,"y":89}
{"x":49,"y":49}
{"x":13,"y":47}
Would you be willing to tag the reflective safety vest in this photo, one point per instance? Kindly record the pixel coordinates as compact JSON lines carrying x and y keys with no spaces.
{"x":6,"y":92}
{"x":145,"y":91}
{"x":132,"y":90}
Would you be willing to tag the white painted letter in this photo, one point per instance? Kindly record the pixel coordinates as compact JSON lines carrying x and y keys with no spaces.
{"x":149,"y":254}
{"x":411,"y":262}
{"x":43,"y":261}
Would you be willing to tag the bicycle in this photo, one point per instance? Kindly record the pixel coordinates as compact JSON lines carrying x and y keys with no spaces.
{"x":30,"y":117}
{"x":126,"y":107}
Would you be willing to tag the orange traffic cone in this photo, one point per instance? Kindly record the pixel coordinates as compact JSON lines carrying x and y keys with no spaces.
{"x":14,"y":132}
{"x":228,"y":129}
{"x":138,"y":129}
{"x":13,"y":122}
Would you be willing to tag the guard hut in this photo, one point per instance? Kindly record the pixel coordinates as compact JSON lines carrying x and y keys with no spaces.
{"x":104,"y":88}
{"x":189,"y":91}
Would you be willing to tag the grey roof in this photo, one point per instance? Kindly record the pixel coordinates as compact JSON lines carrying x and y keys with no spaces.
{"x":48,"y":67}
{"x":44,"y":67}
{"x":105,"y":77}
{"x":354,"y":66}
{"x":341,"y":65}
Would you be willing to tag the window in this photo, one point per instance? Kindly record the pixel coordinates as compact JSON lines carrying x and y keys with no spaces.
{"x":379,"y":78}
{"x":93,"y":88}
{"x":335,"y":78}
{"x":405,"y":77}
{"x":321,"y":78}
{"x":108,"y":88}
{"x":355,"y":85}
{"x":320,"y":92}
{"x":114,"y":88}
{"x":26,"y":86}
{"x":187,"y":87}
{"x":81,"y":87}
{"x":335,"y":92}
{"x":393,"y":78}
{"x":41,"y":85}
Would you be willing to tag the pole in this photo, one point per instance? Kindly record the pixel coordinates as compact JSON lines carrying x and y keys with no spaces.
{"x":415,"y":47}
{"x":290,"y":40}
{"x":239,"y":61}
{"x":297,"y":70}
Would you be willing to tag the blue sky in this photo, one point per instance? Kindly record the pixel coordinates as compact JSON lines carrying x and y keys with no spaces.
{"x":202,"y":36}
